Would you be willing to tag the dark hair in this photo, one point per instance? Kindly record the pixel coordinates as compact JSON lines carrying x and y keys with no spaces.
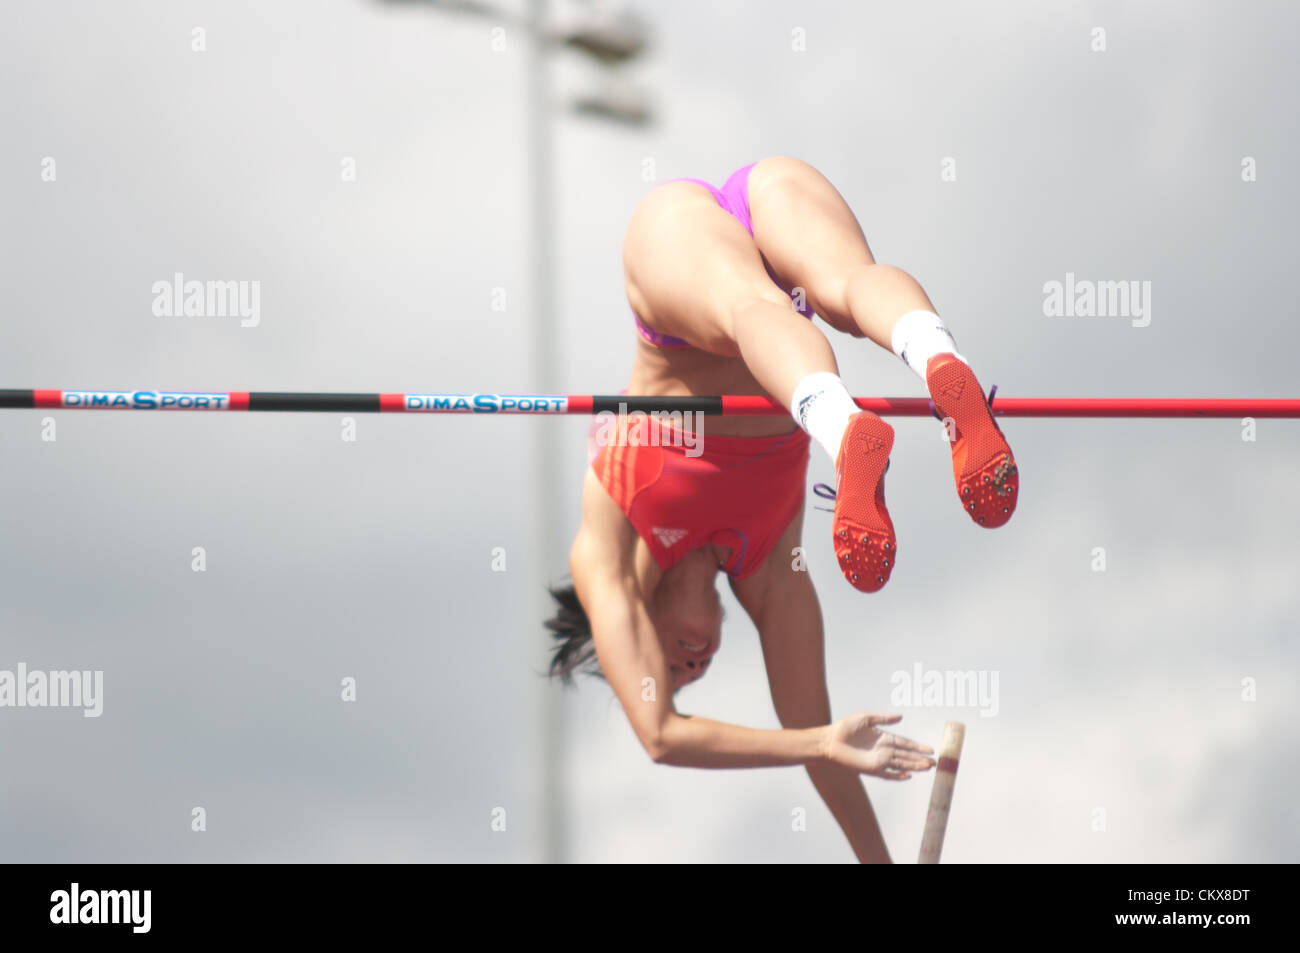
{"x":574,"y":652}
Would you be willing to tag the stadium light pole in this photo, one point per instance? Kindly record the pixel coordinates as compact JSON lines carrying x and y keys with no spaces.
{"x":610,"y":41}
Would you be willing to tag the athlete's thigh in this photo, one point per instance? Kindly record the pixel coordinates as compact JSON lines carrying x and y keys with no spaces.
{"x":807,"y":233}
{"x":688,"y":264}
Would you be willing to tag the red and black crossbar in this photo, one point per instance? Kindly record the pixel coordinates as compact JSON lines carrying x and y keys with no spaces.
{"x":725,"y":405}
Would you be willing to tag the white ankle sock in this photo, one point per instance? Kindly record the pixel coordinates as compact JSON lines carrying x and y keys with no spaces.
{"x":822,"y":405}
{"x":919,"y":336}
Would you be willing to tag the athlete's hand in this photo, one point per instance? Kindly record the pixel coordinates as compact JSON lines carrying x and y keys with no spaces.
{"x":857,"y":742}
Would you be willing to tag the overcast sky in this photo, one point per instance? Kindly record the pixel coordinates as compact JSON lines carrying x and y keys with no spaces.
{"x":1122,"y":729}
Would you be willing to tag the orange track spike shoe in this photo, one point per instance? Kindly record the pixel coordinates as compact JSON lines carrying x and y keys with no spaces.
{"x":988,"y":483}
{"x":864,"y":534}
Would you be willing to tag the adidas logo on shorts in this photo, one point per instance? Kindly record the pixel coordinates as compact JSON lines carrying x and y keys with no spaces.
{"x":668,"y":538}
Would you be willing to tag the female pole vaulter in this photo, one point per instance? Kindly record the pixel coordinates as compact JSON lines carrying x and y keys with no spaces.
{"x":722,"y":284}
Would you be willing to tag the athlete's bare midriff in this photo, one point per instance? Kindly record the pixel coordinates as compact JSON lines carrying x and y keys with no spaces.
{"x":660,"y":372}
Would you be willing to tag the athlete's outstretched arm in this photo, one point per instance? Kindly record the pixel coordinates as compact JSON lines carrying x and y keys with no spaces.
{"x":633,"y":663}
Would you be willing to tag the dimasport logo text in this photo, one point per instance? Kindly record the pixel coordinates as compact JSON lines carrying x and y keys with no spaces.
{"x":487,"y":403}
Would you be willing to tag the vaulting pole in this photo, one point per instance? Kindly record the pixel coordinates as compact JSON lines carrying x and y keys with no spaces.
{"x":945,"y":776}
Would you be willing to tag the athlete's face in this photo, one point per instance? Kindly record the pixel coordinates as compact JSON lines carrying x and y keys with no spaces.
{"x":687,"y":614}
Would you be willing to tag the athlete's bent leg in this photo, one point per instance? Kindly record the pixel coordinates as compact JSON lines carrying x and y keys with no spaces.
{"x":794,"y":361}
{"x":806,"y":230}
